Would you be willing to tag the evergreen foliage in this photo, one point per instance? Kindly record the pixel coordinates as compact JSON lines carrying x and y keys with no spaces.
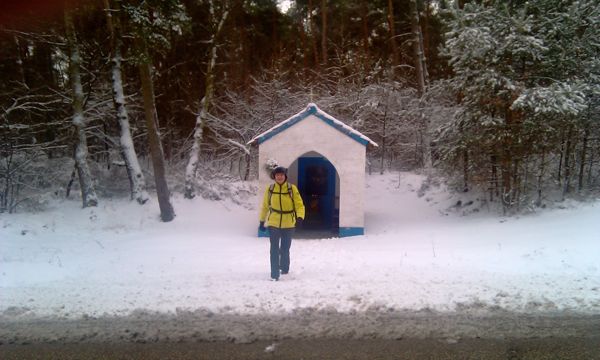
{"x":525,"y":76}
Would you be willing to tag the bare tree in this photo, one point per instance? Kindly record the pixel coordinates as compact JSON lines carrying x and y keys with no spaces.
{"x":136,"y":177}
{"x":88,"y":192}
{"x":205,"y":103}
{"x":152,"y":23}
{"x":158,"y":157}
{"x":22,"y":144}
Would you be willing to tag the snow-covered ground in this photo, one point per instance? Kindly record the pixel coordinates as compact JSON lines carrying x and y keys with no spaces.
{"x":419,"y":254}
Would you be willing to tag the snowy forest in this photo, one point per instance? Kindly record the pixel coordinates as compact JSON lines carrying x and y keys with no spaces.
{"x":130,"y":97}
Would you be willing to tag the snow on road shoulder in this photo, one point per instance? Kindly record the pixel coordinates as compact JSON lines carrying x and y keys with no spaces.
{"x":417,"y":254}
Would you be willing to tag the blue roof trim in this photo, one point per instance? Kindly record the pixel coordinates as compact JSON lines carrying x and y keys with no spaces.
{"x":342,"y":129}
{"x":312,"y":110}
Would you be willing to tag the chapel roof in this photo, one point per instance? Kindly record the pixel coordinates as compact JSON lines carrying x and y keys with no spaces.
{"x":313,"y":109}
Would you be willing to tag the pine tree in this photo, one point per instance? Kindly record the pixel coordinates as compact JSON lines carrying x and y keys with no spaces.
{"x":522,"y":89}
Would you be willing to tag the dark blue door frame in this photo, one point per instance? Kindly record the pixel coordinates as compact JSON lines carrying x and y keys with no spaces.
{"x":316,"y":182}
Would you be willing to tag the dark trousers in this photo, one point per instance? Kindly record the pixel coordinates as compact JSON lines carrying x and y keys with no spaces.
{"x":280,"y":252}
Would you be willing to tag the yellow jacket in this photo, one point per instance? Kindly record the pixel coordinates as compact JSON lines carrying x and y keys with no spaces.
{"x":280,"y":212}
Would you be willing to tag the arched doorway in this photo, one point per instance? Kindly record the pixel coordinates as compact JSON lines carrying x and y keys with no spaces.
{"x":318,"y":183}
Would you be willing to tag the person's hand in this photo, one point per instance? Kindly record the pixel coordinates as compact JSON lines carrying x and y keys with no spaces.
{"x":299,"y":222}
{"x":261,"y":226}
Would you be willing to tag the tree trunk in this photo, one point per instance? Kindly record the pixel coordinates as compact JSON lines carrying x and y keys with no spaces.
{"x":194,"y":158}
{"x":426,"y":142}
{"x":422,"y":81}
{"x":136,"y":177}
{"x":391,"y":24}
{"x":192,"y":165}
{"x":20,"y":62}
{"x":507,"y":159}
{"x":494,"y":185}
{"x":584,"y":145}
{"x":383,"y":137}
{"x":305,"y":49}
{"x":567,"y":176}
{"x":591,"y":161}
{"x":505,"y":172}
{"x":88,"y":192}
{"x":540,"y":178}
{"x":324,"y":32}
{"x":516,"y":183}
{"x":423,"y":57}
{"x":5,"y":173}
{"x":419,"y":59}
{"x":426,"y":38}
{"x":313,"y":33}
{"x":560,"y":158}
{"x":247,"y":160}
{"x":465,"y":154}
{"x":156,"y":151}
{"x":364,"y":5}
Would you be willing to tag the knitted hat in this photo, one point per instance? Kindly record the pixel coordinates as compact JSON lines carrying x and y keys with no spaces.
{"x":278,"y":170}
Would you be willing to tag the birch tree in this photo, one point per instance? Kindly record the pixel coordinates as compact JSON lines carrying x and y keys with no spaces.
{"x":88,"y":191}
{"x":205,"y":103}
{"x":136,"y":177}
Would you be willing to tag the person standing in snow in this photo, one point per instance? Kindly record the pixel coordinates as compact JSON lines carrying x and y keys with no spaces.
{"x":282,"y":209}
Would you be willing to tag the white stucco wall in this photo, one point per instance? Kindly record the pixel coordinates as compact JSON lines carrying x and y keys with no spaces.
{"x":347,"y":155}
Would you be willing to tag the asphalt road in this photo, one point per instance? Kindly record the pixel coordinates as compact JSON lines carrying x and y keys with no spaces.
{"x":306,"y":334}
{"x":306,"y":349}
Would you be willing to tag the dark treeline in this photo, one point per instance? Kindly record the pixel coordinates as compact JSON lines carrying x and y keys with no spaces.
{"x":500,"y":97}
